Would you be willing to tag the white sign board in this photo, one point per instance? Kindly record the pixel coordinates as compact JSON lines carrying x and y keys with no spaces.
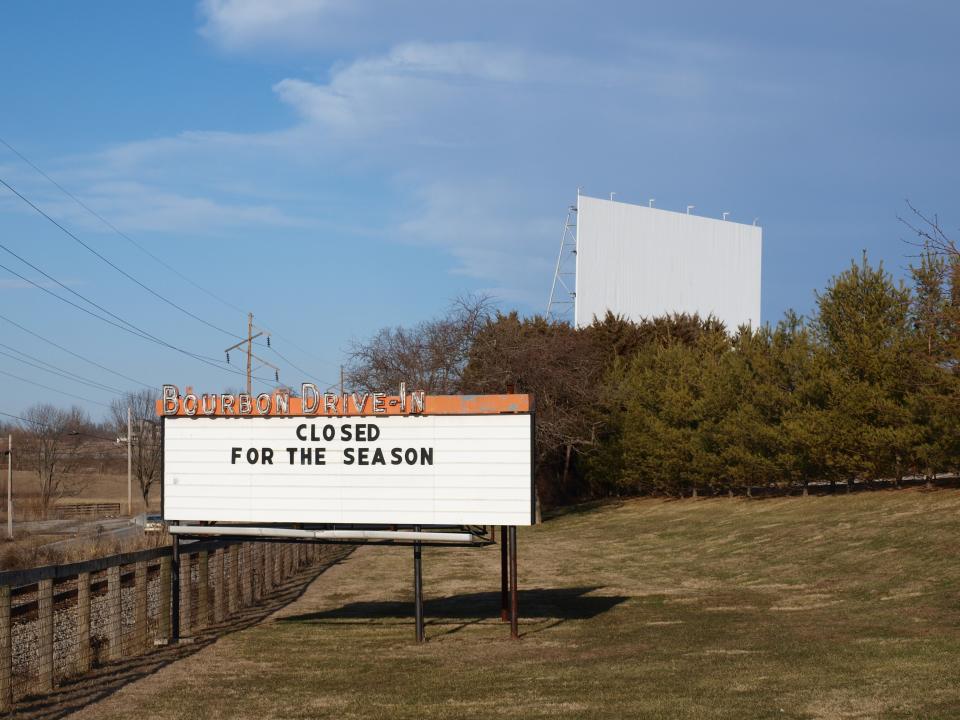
{"x":643,"y":262}
{"x":398,"y":469}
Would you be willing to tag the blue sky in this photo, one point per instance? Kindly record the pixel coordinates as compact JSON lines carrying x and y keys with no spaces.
{"x":335,"y":167}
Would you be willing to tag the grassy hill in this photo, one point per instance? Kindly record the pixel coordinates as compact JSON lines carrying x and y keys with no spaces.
{"x":820,"y":607}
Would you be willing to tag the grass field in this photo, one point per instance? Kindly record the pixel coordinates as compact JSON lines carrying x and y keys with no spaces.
{"x":89,"y":488}
{"x":820,"y":607}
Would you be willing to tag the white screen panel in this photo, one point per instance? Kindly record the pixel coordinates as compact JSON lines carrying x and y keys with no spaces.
{"x":438,"y":469}
{"x":643,"y":262}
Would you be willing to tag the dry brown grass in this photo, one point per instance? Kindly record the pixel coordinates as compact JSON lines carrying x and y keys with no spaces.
{"x":81,"y":488}
{"x":834,"y":607}
{"x":36,"y":551}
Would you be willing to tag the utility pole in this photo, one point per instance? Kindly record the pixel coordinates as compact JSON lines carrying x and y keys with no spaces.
{"x":249,"y":353}
{"x":129,"y":441}
{"x":250,"y":356}
{"x":130,"y":461}
{"x":10,"y":486}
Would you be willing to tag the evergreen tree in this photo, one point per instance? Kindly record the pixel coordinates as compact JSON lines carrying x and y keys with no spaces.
{"x":664,"y":445}
{"x":863,"y":322}
{"x":933,"y":401}
{"x":744,"y":408}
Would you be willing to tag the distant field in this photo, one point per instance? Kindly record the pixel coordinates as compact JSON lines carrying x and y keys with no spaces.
{"x":826,"y":607}
{"x":92,"y":488}
{"x":38,"y":542}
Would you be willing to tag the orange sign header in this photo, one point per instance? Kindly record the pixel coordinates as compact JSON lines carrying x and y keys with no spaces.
{"x":313,"y":403}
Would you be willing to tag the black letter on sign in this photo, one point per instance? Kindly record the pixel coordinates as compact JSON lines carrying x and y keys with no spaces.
{"x":348,"y":456}
{"x":234,"y":455}
{"x":304,"y":429}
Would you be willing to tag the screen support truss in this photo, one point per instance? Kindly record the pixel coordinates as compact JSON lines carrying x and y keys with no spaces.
{"x":563,"y":291}
{"x":417,"y":537}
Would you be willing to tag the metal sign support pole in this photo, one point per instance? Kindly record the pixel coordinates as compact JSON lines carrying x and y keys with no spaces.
{"x":514,"y":601}
{"x":418,"y":589}
{"x":504,"y":574}
{"x":175,"y":590}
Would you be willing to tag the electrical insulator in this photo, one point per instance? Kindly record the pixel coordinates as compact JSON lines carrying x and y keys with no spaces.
{"x":276,"y":375}
{"x":228,"y":358}
{"x":268,"y":341}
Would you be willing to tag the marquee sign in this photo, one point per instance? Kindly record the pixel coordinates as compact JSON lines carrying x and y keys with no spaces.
{"x":409,"y":459}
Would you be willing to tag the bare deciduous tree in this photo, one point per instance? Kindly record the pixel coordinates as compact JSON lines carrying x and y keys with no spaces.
{"x":430,"y":356}
{"x":56,"y":446}
{"x":931,"y":236}
{"x":146,"y":436}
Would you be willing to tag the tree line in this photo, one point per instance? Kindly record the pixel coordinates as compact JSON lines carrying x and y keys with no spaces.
{"x":864,"y":389}
{"x":62,"y":450}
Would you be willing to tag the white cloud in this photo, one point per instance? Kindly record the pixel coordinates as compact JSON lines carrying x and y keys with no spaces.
{"x":476,"y":139}
{"x":237,"y":24}
{"x":404,"y":87}
{"x":138,"y":207}
{"x":490,"y":228}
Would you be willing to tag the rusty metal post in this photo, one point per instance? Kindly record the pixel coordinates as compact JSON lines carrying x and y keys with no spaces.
{"x":6,"y":652}
{"x":418,"y":589}
{"x":114,"y":613}
{"x":45,"y":639}
{"x":83,"y":622}
{"x":514,"y":600}
{"x":504,"y":574}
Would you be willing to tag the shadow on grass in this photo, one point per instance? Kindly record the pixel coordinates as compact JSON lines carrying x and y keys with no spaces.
{"x":76,"y":693}
{"x":574,"y":603}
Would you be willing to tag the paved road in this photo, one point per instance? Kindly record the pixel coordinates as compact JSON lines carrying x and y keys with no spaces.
{"x":72,"y":530}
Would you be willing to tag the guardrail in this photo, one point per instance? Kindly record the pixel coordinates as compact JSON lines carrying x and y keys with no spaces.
{"x":60,"y":621}
{"x":87,"y":511}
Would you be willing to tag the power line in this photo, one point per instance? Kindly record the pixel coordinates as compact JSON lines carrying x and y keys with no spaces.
{"x":70,"y":302}
{"x":111,"y":263}
{"x":119,"y":232}
{"x":52,"y":389}
{"x":298,"y":369}
{"x":292,"y":344}
{"x":132,"y":329}
{"x":153,"y":256}
{"x":76,"y":355}
{"x":140,"y":247}
{"x":51,"y":368}
{"x":51,"y":427}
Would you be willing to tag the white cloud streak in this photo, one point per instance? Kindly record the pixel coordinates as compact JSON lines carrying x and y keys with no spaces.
{"x":240,"y":24}
{"x":447,"y":125}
